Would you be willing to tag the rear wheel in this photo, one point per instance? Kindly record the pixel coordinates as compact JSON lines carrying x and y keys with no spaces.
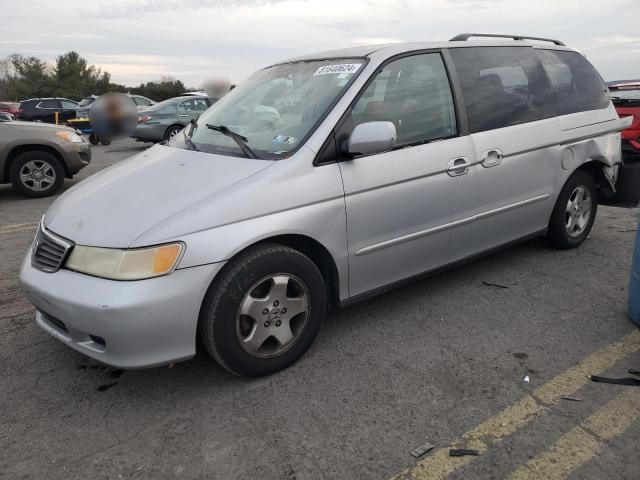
{"x":93,"y":139}
{"x":264,"y":312}
{"x":574,"y":212}
{"x":36,"y":174}
{"x":172,"y":131}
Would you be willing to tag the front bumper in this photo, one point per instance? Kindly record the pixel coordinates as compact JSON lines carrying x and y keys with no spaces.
{"x":76,"y":156}
{"x":131,"y":324}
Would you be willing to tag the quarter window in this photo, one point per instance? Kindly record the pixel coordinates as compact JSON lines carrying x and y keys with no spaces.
{"x":577,"y":85}
{"x":502,"y":86}
{"x":413,"y":93}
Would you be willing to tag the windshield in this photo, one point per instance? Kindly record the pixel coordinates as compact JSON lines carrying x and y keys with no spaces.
{"x":631,"y":94}
{"x":276,"y":109}
{"x":86,"y":101}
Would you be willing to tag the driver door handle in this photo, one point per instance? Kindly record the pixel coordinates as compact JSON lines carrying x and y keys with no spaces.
{"x":459,"y":166}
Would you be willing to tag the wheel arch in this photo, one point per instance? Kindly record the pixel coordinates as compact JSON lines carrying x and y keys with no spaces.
{"x":597,"y":169}
{"x":20,"y":149}
{"x":179,"y":125}
{"x":308,"y":246}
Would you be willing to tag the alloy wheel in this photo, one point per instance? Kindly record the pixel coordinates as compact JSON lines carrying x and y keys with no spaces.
{"x":272,"y":315}
{"x":578,"y":211}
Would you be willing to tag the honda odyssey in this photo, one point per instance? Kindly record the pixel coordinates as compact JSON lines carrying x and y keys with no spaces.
{"x":318,"y":182}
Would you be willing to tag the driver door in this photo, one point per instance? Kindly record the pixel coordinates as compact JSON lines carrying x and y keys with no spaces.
{"x":399,"y":202}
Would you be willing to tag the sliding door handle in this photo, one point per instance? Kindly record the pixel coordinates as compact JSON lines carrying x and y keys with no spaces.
{"x":459,"y":166}
{"x":491,"y":158}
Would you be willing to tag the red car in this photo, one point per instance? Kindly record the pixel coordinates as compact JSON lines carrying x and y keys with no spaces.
{"x":10,"y":107}
{"x":626,"y":99}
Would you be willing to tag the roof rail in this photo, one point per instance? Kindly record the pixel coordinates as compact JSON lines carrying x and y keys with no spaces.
{"x":466,"y":36}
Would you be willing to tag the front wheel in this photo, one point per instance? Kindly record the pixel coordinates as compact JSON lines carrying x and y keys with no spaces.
{"x":36,"y":174}
{"x":264,"y":312}
{"x":574,"y":212}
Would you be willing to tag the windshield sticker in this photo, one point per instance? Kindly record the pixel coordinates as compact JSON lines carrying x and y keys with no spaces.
{"x":348,"y":68}
{"x":284,"y":139}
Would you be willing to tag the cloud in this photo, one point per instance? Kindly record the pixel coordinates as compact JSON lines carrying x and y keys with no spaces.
{"x":192,"y":39}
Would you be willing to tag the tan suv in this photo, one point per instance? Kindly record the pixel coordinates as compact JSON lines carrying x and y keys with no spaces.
{"x":36,"y":157}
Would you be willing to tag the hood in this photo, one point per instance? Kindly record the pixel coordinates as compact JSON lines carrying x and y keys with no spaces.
{"x":114,"y":207}
{"x":38,"y":126}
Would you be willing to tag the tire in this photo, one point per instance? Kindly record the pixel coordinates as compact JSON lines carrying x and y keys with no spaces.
{"x":171,"y":131}
{"x":569,"y":225}
{"x":254,"y":282}
{"x":93,"y":139}
{"x":24,"y":177}
{"x":105,"y":142}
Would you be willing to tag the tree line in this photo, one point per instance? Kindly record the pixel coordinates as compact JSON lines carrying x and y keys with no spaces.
{"x":70,"y":76}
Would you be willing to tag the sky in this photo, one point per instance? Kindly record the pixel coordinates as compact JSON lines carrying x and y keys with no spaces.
{"x":194,"y":40}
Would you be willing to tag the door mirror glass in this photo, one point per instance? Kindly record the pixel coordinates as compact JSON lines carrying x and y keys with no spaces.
{"x":372,"y":137}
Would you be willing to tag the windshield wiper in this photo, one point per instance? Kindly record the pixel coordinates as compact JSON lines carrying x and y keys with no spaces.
{"x":239,"y":139}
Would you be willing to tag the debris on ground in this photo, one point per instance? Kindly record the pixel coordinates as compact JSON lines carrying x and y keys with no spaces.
{"x":571,"y":399}
{"x":460,"y":452}
{"x":497,"y":285}
{"x":421,"y":450}
{"x":526,"y":379}
{"x":618,"y":381}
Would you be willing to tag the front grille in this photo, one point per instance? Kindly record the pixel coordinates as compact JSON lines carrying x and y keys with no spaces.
{"x":49,"y":250}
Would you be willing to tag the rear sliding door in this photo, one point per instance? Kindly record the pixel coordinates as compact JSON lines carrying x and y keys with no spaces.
{"x":513,"y":125}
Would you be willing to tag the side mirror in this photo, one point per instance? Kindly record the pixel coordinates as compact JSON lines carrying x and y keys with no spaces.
{"x":372,"y":137}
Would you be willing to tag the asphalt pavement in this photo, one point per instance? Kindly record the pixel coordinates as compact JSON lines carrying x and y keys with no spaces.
{"x":440,"y":362}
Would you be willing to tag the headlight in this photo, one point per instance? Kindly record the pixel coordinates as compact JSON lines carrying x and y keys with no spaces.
{"x":70,"y":136}
{"x":134,"y":264}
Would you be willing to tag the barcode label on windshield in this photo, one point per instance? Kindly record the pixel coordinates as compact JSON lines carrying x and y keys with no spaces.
{"x":342,"y":68}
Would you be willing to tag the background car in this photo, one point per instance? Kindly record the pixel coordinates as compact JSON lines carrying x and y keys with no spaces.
{"x":163,"y":120}
{"x":626,"y":98}
{"x":142,"y":103}
{"x":44,"y":110}
{"x":6,"y":117}
{"x":36,"y":158}
{"x":10,"y":107}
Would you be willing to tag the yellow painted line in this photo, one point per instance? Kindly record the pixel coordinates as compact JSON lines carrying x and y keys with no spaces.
{"x":583,"y":443}
{"x":439,"y":464}
{"x":575,"y":378}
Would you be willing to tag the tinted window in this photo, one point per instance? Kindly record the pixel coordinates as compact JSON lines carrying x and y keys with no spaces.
{"x":502,"y":86}
{"x":68,"y":104}
{"x":413,"y":93}
{"x":49,"y":104}
{"x":577,"y":85}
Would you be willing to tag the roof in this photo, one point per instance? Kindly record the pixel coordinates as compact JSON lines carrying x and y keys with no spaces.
{"x":367,"y":50}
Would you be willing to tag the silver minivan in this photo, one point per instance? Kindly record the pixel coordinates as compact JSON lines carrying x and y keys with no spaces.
{"x":318,"y":182}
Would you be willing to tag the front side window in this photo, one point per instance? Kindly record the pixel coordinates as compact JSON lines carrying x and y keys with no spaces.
{"x":502,"y":86}
{"x":68,"y":104}
{"x":414,"y":94}
{"x":277,"y":108}
{"x":577,"y":85}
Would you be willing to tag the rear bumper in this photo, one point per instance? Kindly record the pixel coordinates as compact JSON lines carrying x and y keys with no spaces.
{"x":149,"y":133}
{"x":123,"y":324}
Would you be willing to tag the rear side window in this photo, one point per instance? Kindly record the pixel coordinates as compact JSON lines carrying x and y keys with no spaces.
{"x":414,"y":93}
{"x":502,"y":86}
{"x":577,"y":85}
{"x":49,"y":104}
{"x":142,"y":102}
